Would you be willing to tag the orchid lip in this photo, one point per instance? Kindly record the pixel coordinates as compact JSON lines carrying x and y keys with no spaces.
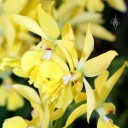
{"x":67,"y":79}
{"x":106,"y":119}
{"x":48,"y":55}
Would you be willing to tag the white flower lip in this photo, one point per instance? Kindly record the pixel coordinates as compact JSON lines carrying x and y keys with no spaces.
{"x":67,"y":78}
{"x":106,"y":119}
{"x":48,"y":55}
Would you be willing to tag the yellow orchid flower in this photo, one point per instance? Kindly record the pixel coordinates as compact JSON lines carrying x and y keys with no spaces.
{"x":96,"y":29}
{"x":46,"y":21}
{"x":10,"y":97}
{"x":50,"y":73}
{"x":14,"y":41}
{"x":104,"y":121}
{"x":98,"y":5}
{"x":43,"y":55}
{"x":46,"y":72}
{"x":41,"y":115}
{"x":104,"y":86}
{"x":42,"y":29}
{"x":102,"y":108}
{"x":13,"y":37}
{"x":79,"y":19}
{"x":49,"y":70}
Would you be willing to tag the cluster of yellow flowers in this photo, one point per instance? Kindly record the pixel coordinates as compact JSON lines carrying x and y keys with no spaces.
{"x":58,"y":65}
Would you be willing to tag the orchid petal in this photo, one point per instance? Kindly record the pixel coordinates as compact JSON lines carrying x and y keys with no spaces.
{"x":9,"y":62}
{"x":106,"y":123}
{"x":111,"y":82}
{"x":90,"y":99}
{"x":66,"y":100}
{"x":47,"y":24}
{"x":46,"y":118}
{"x":19,"y":72}
{"x":67,"y":33}
{"x":29,"y":24}
{"x":79,"y":111}
{"x":88,"y":45}
{"x":57,"y":114}
{"x":100,"y":81}
{"x":99,"y":64}
{"x":28,"y":92}
{"x":119,"y":5}
{"x":27,"y":62}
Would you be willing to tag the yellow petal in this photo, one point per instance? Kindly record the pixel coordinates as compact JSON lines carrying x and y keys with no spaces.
{"x":102,"y":33}
{"x":95,"y":6}
{"x":57,"y":114}
{"x":9,"y":62}
{"x":50,"y":69}
{"x":19,"y":72}
{"x":90,"y":99}
{"x":77,"y":88}
{"x":88,"y":45}
{"x":70,"y":48}
{"x":80,"y":97}
{"x":9,"y":30}
{"x":98,"y":31}
{"x":74,"y":56}
{"x":84,"y":17}
{"x":46,"y":118}
{"x":67,"y":33}
{"x":29,"y":24}
{"x":106,"y":124}
{"x":27,"y":61}
{"x":52,"y":13}
{"x":14,"y":8}
{"x":3,"y":95}
{"x":80,"y":37}
{"x":63,"y":101}
{"x":99,"y":64}
{"x":106,"y":108}
{"x":111,"y":82}
{"x":79,"y":111}
{"x":66,"y":10}
{"x":48,"y":6}
{"x":60,"y":62}
{"x":100,"y":81}
{"x":48,"y":24}
{"x":15,"y":122}
{"x":14,"y":100}
{"x":38,"y":110}
{"x":119,"y":5}
{"x":28,"y":92}
{"x":68,"y":57}
{"x":109,"y":108}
